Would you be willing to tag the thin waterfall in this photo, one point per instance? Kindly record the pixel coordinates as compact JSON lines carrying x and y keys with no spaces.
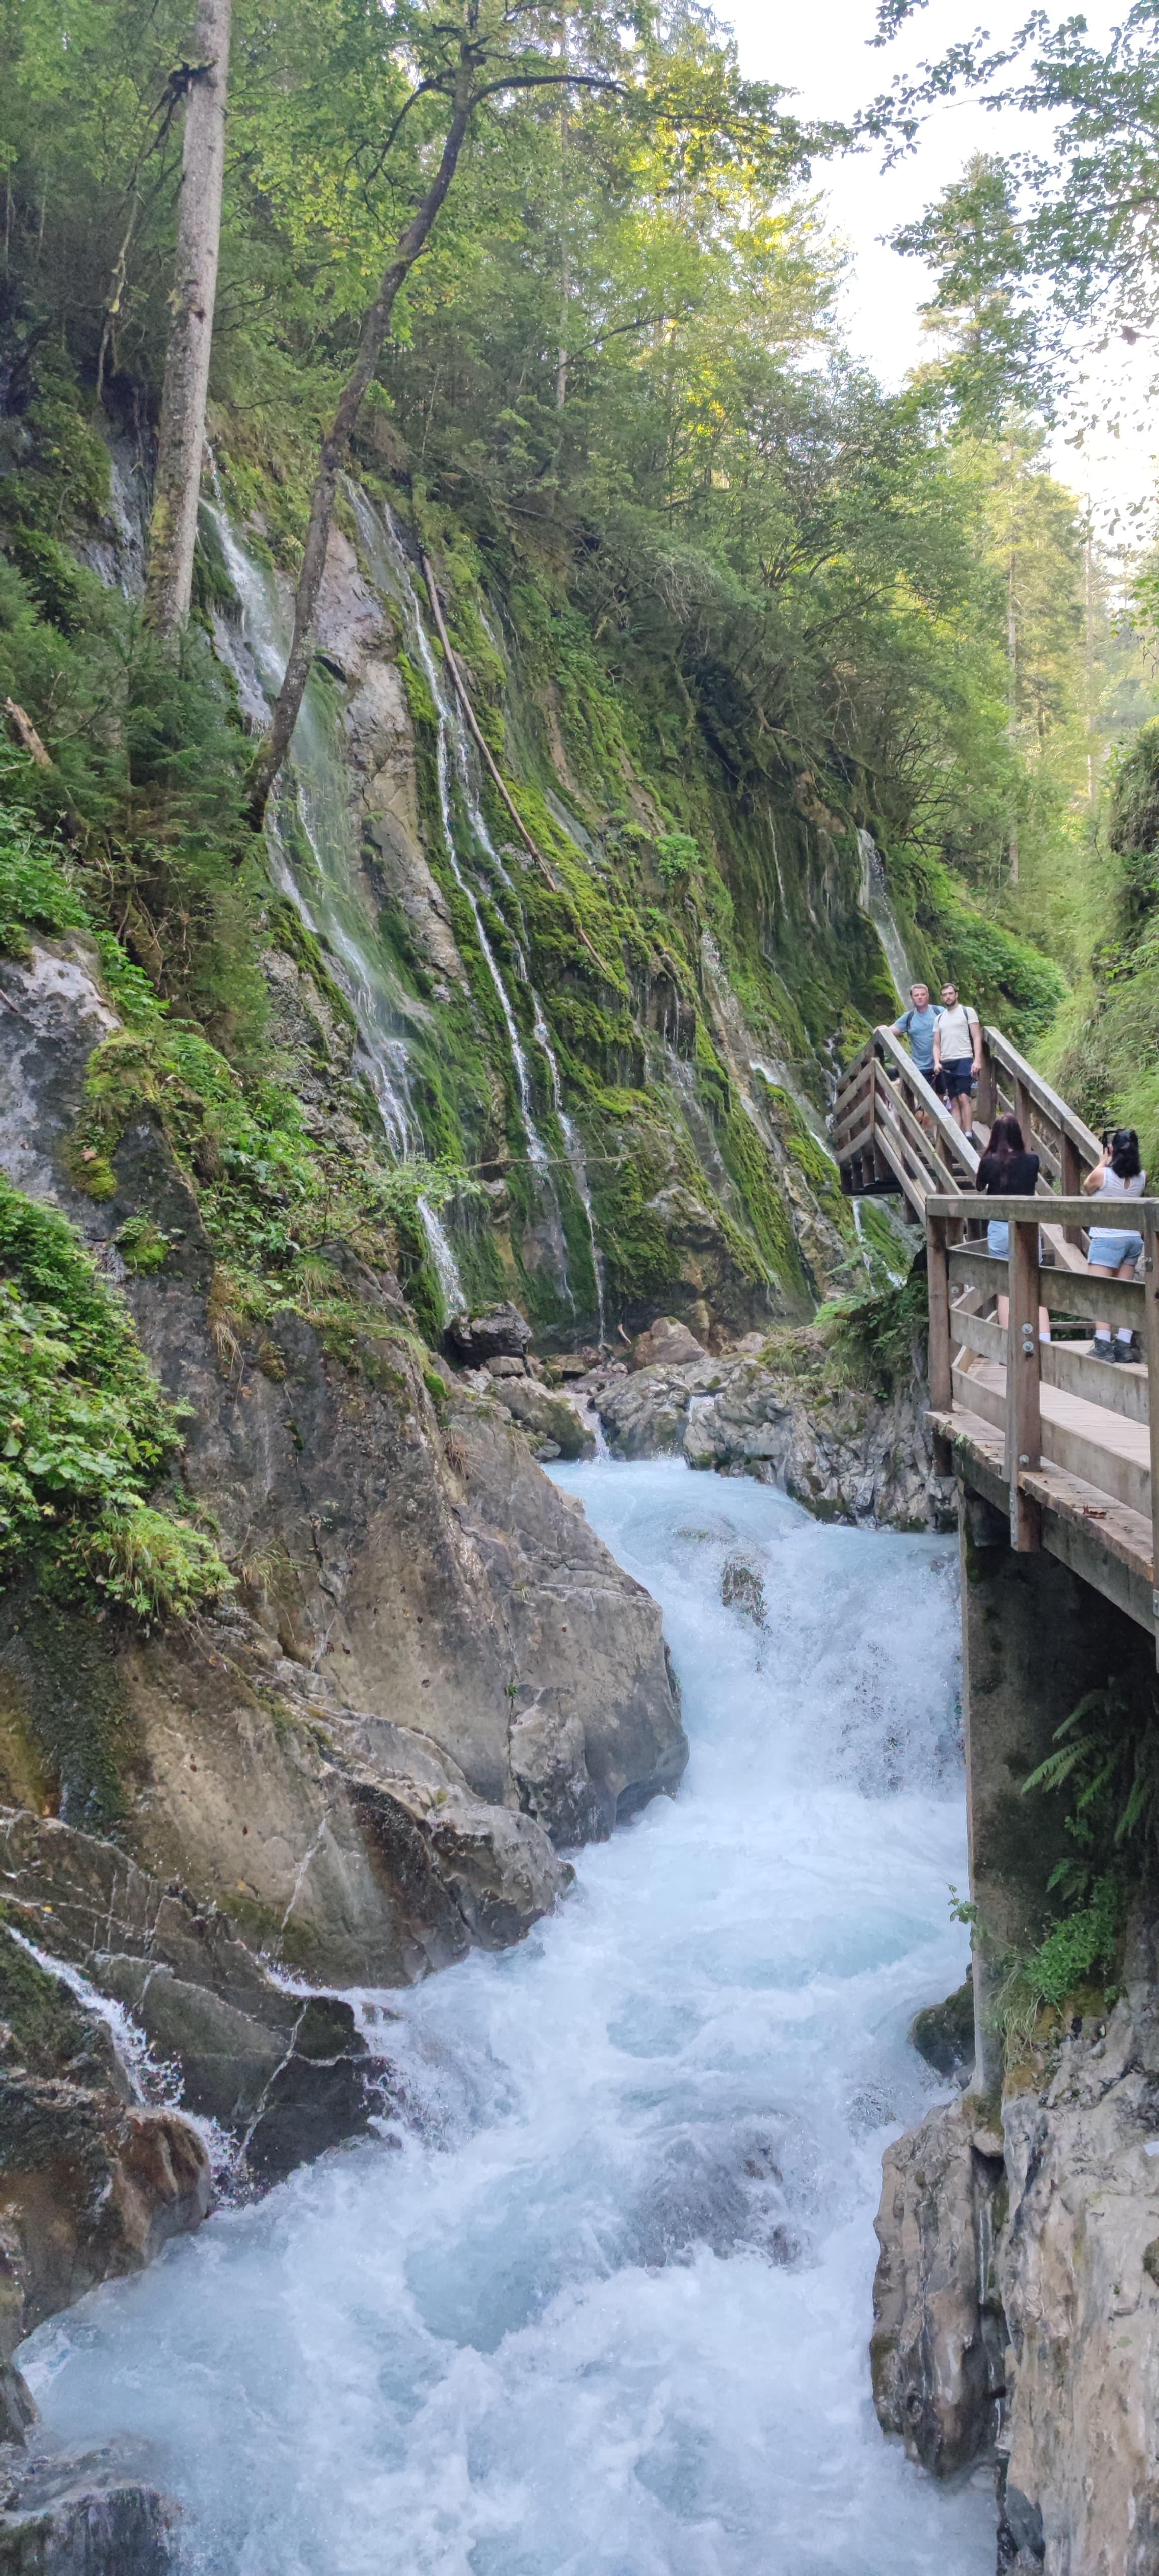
{"x":312,"y":803}
{"x":875,"y":903}
{"x":575,"y":1156}
{"x":373,"y":531}
{"x":390,"y":566}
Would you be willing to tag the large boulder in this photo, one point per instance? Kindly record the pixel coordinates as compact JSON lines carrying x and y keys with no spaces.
{"x":92,"y":2182}
{"x":667,"y":1344}
{"x":502,"y":1333}
{"x":99,"y":2513}
{"x":937,"y":2349}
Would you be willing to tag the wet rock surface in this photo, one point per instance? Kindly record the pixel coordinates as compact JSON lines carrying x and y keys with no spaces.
{"x":938,"y":2338}
{"x":1017,"y":2295}
{"x":98,"y":2513}
{"x":770,"y":1413}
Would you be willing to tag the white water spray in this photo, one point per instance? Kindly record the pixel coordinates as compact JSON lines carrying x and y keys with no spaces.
{"x":604,"y":2307}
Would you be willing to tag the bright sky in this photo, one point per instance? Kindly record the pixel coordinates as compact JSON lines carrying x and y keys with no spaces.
{"x":821,"y":50}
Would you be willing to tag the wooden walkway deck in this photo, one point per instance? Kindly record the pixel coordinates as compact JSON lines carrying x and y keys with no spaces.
{"x":1062,"y":1441}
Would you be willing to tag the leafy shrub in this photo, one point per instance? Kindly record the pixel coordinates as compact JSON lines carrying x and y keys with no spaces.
{"x":84,"y":1430}
{"x":1108,"y":1761}
{"x":877,"y":1340}
{"x":35,"y":892}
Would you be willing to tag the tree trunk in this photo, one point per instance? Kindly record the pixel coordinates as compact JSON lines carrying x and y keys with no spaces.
{"x":173,"y":528}
{"x":335,"y":449}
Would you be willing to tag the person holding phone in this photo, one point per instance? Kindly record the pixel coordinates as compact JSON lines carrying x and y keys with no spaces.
{"x":1114,"y":1244}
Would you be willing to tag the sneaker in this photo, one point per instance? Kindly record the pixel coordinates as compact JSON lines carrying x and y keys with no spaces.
{"x":1123,"y":1353}
{"x":1101,"y":1350}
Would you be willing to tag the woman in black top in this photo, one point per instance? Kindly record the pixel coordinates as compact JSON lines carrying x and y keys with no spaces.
{"x":1007,"y":1171}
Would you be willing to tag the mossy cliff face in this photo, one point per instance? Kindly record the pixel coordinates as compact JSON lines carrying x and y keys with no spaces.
{"x":620,"y":1020}
{"x":422,"y":1667}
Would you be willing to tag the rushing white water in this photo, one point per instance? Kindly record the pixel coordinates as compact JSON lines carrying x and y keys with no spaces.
{"x":600,"y":2305}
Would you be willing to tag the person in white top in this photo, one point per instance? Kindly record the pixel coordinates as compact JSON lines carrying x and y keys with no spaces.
{"x":1114,"y":1245}
{"x":958,"y":1056}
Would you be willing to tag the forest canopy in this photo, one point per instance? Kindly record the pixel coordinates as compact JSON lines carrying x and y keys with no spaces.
{"x":614,"y":372}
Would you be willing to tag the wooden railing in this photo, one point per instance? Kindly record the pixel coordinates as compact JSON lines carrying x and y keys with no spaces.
{"x":891,"y":1132}
{"x":1079,"y":1436}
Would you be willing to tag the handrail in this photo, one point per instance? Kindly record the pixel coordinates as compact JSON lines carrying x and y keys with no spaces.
{"x":1043,"y":1095}
{"x":974,"y":1203}
{"x":1028,"y":1288}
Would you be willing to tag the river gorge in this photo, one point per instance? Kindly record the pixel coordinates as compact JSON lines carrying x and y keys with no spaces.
{"x":598,"y":2295}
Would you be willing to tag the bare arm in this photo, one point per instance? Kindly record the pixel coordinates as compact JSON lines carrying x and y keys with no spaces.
{"x":977,"y":1046}
{"x":1093,"y":1181}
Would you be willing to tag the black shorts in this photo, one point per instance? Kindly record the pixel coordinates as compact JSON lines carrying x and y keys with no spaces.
{"x":957,"y":1077}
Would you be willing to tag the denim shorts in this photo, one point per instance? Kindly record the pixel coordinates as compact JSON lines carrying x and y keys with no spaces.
{"x":1109,"y":1249}
{"x":998,"y":1238}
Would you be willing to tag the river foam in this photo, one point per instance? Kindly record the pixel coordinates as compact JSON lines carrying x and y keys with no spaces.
{"x":597,"y":2304}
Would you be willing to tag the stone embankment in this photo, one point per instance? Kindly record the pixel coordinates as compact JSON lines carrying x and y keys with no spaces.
{"x":1017,"y":2294}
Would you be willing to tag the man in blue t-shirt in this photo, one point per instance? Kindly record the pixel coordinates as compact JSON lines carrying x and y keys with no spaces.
{"x":918,"y":1025}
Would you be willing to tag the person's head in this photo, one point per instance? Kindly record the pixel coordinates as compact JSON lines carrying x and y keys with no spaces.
{"x":1125,"y":1154}
{"x":920,"y":996}
{"x":1006,"y":1139}
{"x":949,"y":995}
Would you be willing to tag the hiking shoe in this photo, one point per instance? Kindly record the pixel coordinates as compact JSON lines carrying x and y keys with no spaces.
{"x":1102,"y":1350}
{"x":1123,"y":1352}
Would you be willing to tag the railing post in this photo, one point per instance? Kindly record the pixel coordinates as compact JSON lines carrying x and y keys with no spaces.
{"x":938,"y":1295}
{"x":1151,"y":1354}
{"x":1070,"y":1181}
{"x":1023,"y":1401}
{"x":987,"y":1086}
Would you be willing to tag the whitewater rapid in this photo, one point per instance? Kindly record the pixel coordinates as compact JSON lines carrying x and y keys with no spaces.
{"x":598,"y":2302}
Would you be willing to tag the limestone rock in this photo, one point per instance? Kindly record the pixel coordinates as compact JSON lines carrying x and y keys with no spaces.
{"x":1082,"y":2299}
{"x":503,"y":1333}
{"x":551,"y":1423}
{"x":91,"y":2184}
{"x":667,"y":1344}
{"x":97,"y":2514}
{"x":938,"y":2339}
{"x":844,"y":1455}
{"x":944,"y":2034}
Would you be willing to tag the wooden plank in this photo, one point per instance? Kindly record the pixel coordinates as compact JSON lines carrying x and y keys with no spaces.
{"x":890,"y":1148}
{"x":938,"y":1298}
{"x":1057,"y":1109}
{"x":1151,"y":1348}
{"x":1080,"y":1211}
{"x":1119,"y":1301}
{"x":847,"y":1148}
{"x":1109,"y":1545}
{"x":1107,"y":1453}
{"x":921,"y":1146}
{"x":974,"y":1333}
{"x":1113,"y":1388}
{"x":1062,"y":1292}
{"x":927,"y":1100}
{"x":1023,"y":1410}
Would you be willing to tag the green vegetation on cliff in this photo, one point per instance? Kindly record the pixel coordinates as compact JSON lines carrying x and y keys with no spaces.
{"x":734,"y":625}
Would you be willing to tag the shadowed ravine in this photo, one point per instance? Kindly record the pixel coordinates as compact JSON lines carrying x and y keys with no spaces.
{"x":601,"y":2300}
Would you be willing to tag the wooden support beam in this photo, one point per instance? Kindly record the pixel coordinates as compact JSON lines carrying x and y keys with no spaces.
{"x":938,"y":1298}
{"x":1023,"y":1409}
{"x":1070,"y":1183}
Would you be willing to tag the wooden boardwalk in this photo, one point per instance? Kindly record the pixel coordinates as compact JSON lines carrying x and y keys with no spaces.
{"x":1063,"y":1442}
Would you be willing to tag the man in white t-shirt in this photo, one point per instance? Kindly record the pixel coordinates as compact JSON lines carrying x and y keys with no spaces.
{"x":958,"y":1056}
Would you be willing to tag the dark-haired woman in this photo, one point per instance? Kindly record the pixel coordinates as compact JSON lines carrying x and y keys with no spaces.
{"x":1007,"y":1171}
{"x":1114,"y":1244}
